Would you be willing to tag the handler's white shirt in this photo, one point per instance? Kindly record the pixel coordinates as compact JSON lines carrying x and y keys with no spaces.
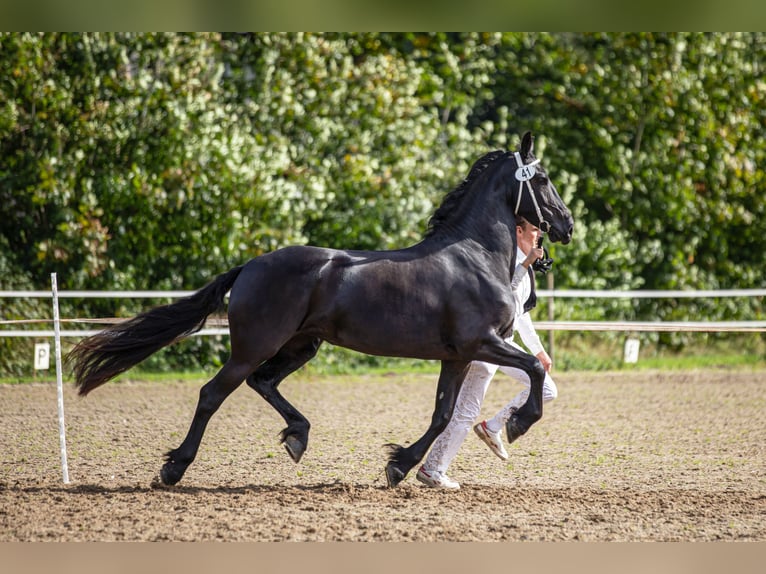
{"x":522,"y":289}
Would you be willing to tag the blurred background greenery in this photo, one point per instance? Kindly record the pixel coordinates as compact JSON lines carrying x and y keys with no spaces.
{"x":395,"y":15}
{"x":158,"y":160}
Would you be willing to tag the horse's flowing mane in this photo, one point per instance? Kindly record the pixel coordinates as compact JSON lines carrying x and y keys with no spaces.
{"x":455,"y":197}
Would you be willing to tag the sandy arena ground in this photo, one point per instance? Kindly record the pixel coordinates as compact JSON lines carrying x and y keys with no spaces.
{"x":628,"y":456}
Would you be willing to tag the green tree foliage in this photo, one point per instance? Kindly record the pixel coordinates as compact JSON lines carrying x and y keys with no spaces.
{"x":348,"y":156}
{"x":132,"y":161}
{"x":661,"y":136}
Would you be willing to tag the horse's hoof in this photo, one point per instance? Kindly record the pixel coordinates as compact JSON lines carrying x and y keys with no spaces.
{"x":393,"y":475}
{"x":169,"y":475}
{"x":158,"y":482}
{"x":513,"y":430}
{"x":294,"y":447}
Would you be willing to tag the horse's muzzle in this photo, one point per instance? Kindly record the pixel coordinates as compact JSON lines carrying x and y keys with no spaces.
{"x":563,"y":236}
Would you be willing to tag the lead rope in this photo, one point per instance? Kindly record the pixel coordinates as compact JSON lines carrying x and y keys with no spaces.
{"x":524,"y":173}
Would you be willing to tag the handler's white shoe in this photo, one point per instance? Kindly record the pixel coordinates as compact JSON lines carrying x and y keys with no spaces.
{"x":492,"y":439}
{"x":436,"y":479}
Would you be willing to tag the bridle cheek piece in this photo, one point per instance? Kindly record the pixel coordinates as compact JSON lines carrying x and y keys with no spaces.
{"x":524,"y":174}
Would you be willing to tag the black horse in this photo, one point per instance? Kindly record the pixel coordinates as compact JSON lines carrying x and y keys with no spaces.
{"x":447,"y":298}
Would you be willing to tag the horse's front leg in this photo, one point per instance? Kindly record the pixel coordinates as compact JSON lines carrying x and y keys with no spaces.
{"x":401,"y":460}
{"x":498,"y":352}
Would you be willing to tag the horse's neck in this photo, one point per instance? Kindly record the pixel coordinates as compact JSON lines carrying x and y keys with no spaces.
{"x":485,"y":221}
{"x":493,"y":242}
{"x":493,"y":227}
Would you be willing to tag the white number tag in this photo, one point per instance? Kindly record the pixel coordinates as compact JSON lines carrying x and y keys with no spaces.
{"x":525,"y":172}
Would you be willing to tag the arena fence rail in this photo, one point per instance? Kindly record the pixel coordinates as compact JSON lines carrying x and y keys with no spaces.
{"x":217,"y":327}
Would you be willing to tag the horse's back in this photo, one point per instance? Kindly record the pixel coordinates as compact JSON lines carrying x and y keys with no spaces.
{"x":285,"y":272}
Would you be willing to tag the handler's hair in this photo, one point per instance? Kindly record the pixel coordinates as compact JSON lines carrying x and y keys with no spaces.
{"x":522,"y":222}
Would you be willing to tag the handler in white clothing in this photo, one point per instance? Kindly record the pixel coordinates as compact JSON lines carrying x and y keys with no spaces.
{"x":433,"y":472}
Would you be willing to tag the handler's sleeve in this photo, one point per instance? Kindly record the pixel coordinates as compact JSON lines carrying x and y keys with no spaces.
{"x":528,"y":334}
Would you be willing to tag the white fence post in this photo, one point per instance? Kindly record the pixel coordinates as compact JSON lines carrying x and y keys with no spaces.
{"x":59,"y":379}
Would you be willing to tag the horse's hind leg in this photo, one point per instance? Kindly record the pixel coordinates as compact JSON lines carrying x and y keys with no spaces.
{"x":401,"y":459}
{"x":211,"y":395}
{"x":296,"y":353}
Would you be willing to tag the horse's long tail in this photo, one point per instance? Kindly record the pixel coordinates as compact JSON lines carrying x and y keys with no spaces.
{"x":103,"y":356}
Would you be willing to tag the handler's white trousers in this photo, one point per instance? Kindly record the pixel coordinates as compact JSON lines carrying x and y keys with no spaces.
{"x":468,"y":408}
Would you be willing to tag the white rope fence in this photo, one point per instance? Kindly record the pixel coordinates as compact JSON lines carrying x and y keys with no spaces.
{"x":217,"y":327}
{"x":566,"y":293}
{"x":637,"y":326}
{"x":648,"y":293}
{"x":654,"y":326}
{"x":99,"y":294}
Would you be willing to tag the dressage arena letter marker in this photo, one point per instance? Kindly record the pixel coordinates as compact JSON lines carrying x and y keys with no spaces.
{"x":42,"y":356}
{"x":631,"y":350}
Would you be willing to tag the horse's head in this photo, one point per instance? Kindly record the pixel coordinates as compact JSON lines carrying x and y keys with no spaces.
{"x":534,"y":196}
{"x":514,"y":178}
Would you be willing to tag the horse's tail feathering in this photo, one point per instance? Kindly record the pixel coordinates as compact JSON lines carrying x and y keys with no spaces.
{"x":103,"y":356}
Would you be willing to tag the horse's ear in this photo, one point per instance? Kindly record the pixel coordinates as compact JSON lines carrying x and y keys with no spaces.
{"x":527,"y":145}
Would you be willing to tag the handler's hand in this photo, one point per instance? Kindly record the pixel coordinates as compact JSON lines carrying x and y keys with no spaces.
{"x":535,"y":254}
{"x":545,"y":359}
